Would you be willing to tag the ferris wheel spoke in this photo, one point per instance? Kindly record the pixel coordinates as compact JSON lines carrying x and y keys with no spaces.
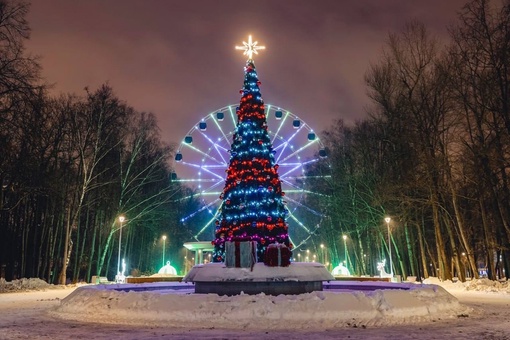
{"x":201,"y":153}
{"x":316,"y":213}
{"x":280,"y":126}
{"x":292,"y":170}
{"x":295,"y":167}
{"x":288,"y":141}
{"x":292,"y":242}
{"x":218,"y":146}
{"x":200,"y":167}
{"x":304,"y":147}
{"x":207,"y":191}
{"x":196,"y":180}
{"x":193,"y":165}
{"x":233,"y":114}
{"x":298,"y":130}
{"x":291,"y":215}
{"x":187,"y":197}
{"x":205,"y":207}
{"x":205,"y":226}
{"x":279,"y":148}
{"x":301,"y":190}
{"x":302,"y":242}
{"x":215,"y":145}
{"x":296,"y":188}
{"x":268,"y":108}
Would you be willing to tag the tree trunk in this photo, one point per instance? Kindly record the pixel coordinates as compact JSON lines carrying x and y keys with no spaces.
{"x":421,"y":244}
{"x":105,"y":251}
{"x":443,"y":263}
{"x":488,"y":241}
{"x":410,"y":251}
{"x":62,"y":277}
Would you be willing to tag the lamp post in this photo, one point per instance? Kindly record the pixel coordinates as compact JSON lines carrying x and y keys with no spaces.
{"x":464,"y":262}
{"x":164,"y":239}
{"x":121,"y":220}
{"x":345,"y":251}
{"x":388,"y":220}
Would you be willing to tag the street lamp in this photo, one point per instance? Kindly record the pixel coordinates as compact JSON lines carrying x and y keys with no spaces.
{"x":388,"y":220}
{"x":345,"y":250}
{"x":121,"y":220}
{"x":164,"y":239}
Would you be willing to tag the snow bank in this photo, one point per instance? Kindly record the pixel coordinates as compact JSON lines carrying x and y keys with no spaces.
{"x":311,"y":311}
{"x":32,"y":284}
{"x":23,"y":285}
{"x":480,"y":285}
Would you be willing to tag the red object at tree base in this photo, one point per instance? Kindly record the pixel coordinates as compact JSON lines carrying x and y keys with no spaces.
{"x":277,"y":255}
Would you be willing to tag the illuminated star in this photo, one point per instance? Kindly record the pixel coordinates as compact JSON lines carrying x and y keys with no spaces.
{"x":250,"y":48}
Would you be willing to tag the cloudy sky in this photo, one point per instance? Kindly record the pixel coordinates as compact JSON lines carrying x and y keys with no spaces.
{"x":176,"y":58}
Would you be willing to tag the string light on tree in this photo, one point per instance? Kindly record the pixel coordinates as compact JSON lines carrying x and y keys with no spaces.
{"x":252,"y":206}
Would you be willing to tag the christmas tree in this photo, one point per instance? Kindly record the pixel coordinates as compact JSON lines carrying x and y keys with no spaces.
{"x":252,"y":206}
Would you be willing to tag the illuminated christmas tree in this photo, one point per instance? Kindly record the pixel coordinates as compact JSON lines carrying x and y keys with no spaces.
{"x":252,"y":206}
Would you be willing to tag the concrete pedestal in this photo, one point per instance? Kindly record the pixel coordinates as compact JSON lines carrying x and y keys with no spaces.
{"x":298,"y":278}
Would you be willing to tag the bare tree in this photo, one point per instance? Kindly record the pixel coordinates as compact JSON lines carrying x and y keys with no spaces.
{"x":95,"y":133}
{"x":480,"y":54}
{"x":144,"y":178}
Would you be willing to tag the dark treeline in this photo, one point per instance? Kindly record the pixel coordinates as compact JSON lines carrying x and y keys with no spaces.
{"x":69,"y":167}
{"x":434,"y":155}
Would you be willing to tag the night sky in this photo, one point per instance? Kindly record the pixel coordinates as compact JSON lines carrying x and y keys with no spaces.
{"x":176,"y":58}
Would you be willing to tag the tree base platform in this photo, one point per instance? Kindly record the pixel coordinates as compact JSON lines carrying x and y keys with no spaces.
{"x":297,"y":278}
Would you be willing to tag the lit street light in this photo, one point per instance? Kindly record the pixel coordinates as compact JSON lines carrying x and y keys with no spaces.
{"x":164,"y":239}
{"x":388,"y":220}
{"x":121,"y":220}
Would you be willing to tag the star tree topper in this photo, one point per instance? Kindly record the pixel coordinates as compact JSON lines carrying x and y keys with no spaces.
{"x":250,"y":48}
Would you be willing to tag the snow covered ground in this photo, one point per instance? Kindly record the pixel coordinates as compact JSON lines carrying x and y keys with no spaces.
{"x":89,"y":312}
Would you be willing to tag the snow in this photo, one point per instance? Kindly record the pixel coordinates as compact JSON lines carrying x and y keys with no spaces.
{"x":297,"y":271}
{"x":475,"y":309}
{"x":22,"y":285}
{"x":316,"y":310}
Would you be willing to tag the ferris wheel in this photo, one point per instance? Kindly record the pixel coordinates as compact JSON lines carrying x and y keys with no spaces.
{"x":203,"y":157}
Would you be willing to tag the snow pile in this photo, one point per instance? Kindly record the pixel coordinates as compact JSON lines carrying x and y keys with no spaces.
{"x":486,"y":285}
{"x":311,"y":311}
{"x":480,"y":285}
{"x":23,"y":285}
